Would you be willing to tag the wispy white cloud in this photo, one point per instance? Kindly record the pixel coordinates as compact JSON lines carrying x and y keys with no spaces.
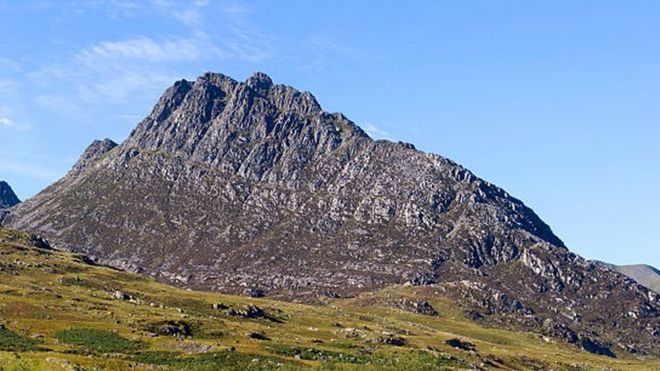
{"x":375,"y":132}
{"x":130,"y":71}
{"x":187,"y":12}
{"x":244,"y":41}
{"x":238,"y":37}
{"x":248,"y":45}
{"x":116,"y":71}
{"x":321,"y":53}
{"x":126,"y":5}
{"x":119,"y":69}
{"x":57,"y":102}
{"x":190,"y":13}
{"x":127,"y":82}
{"x":7,"y":85}
{"x":237,"y":10}
{"x":6,"y":122}
{"x":150,"y":50}
{"x":235,"y":37}
{"x":8,"y":63}
{"x":12,"y":108}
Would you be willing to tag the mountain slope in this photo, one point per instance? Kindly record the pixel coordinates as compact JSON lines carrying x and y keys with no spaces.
{"x":646,"y":275}
{"x":250,"y":187}
{"x":58,"y":311}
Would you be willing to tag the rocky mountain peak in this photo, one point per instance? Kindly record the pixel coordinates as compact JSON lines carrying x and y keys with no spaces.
{"x":260,"y":82}
{"x":7,"y":196}
{"x":243,"y":127}
{"x":91,"y":154}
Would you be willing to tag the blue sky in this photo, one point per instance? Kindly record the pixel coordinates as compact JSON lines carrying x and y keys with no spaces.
{"x":555,"y":101}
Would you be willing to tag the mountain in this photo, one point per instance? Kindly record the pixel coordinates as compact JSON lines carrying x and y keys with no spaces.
{"x":646,"y":275}
{"x":58,"y":311}
{"x":250,"y":187}
{"x":7,"y":196}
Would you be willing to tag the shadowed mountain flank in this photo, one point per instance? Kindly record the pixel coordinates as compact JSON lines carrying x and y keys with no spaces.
{"x":7,"y":196}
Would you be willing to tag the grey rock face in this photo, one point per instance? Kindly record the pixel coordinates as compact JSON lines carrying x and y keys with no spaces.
{"x":645,"y":275}
{"x":234,"y":186}
{"x":7,"y":196}
{"x":94,"y":152}
{"x":416,"y":306}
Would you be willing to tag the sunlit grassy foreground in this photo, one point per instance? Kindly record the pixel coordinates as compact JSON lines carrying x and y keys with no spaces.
{"x":58,"y":312}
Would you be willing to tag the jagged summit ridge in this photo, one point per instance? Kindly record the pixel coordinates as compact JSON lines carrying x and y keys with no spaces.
{"x":252,"y":187}
{"x":221,"y":122}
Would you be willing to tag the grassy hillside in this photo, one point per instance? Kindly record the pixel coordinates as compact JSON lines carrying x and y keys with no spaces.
{"x":59,"y":312}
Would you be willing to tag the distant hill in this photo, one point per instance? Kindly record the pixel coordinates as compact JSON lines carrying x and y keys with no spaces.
{"x":644,"y":274}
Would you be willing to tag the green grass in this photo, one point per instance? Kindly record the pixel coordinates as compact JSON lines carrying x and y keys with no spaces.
{"x":101,"y":341}
{"x":315,"y":354}
{"x":225,"y":360}
{"x":347,"y":346}
{"x":404,"y":360}
{"x":11,"y":341}
{"x":419,"y":360}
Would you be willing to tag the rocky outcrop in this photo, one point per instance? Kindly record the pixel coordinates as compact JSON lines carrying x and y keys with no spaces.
{"x":93,"y":152}
{"x":250,"y":187}
{"x":416,"y":306}
{"x":7,"y":196}
{"x":461,"y":344}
